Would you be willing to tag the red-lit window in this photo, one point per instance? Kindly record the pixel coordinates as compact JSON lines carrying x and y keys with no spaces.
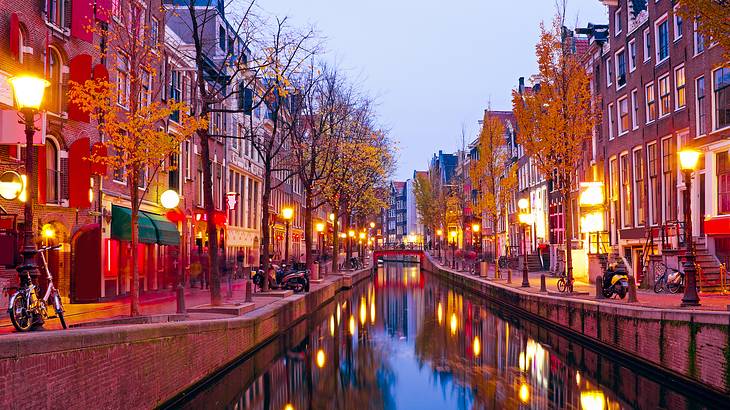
{"x":723,"y":183}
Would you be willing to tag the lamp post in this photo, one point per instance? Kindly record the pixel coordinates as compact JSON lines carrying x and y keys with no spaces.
{"x":170,"y":200}
{"x":453,"y":249}
{"x":350,"y":238}
{"x":319,"y":227}
{"x":287,"y":213}
{"x":440,"y":234}
{"x":525,"y":219}
{"x":688,"y":162}
{"x":477,"y":229}
{"x":361,"y":248}
{"x":28,"y":91}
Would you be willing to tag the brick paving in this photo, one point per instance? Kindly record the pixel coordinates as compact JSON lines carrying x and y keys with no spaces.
{"x":647,"y":298}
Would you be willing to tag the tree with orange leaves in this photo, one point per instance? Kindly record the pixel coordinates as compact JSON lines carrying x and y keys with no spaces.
{"x":713,"y":18}
{"x":130,"y":116}
{"x":556,"y":119}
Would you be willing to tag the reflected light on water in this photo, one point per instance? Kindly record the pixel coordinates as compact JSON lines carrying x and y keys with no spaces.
{"x":521,"y":361}
{"x":372,"y":312}
{"x":332,"y":326}
{"x":363,"y":311}
{"x":592,"y":400}
{"x":288,"y":407}
{"x":320,"y":358}
{"x":352,"y":325}
{"x":440,"y":313}
{"x":577,"y":378}
{"x":524,"y":393}
{"x":454,"y":325}
{"x":338,"y":314}
{"x":476,"y":346}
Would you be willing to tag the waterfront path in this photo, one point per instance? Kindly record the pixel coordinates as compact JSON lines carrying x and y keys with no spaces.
{"x":647,"y":298}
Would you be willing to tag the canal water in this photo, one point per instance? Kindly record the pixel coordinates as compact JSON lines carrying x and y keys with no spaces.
{"x":406,"y":340}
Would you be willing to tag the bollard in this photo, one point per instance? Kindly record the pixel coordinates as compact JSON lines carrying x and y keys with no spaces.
{"x":180,"y":298}
{"x":249,"y":291}
{"x":543,"y":288}
{"x":632,"y":290}
{"x":509,"y":275}
{"x":599,"y":287}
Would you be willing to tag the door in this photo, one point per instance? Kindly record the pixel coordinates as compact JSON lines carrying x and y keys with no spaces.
{"x":86,"y":264}
{"x":702,"y":205}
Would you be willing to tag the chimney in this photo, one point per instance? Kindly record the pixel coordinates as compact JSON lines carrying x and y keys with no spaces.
{"x":521,"y":87}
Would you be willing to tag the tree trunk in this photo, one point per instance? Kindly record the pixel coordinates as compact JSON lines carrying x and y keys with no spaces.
{"x":265,"y":230}
{"x":134,"y":223}
{"x":215,"y":289}
{"x":568,"y":209}
{"x":335,"y":241}
{"x":308,"y":240}
{"x":348,"y":253}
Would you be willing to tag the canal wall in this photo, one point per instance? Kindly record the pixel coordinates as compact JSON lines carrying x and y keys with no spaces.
{"x":690,"y":345}
{"x":141,"y":366}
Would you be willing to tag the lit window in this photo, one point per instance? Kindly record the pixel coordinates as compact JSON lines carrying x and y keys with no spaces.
{"x":54,"y":93}
{"x":640,"y":215}
{"x":52,"y":177}
{"x":664,"y":99}
{"x":721,"y":80}
{"x":623,"y":114}
{"x":650,"y":103}
{"x":680,"y":96}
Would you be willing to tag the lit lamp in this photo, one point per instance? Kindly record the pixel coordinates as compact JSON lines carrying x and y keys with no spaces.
{"x":688,"y":162}
{"x":440,"y":234}
{"x":525,"y":218}
{"x":287,"y":213}
{"x":372,"y":225}
{"x":11,"y":185}
{"x":28,"y":91}
{"x":477,"y":229}
{"x":169,"y":199}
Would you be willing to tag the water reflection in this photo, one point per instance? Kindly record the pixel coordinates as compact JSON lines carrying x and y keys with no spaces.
{"x":406,"y":340}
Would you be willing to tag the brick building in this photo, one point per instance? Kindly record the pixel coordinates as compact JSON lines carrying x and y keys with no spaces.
{"x":663,"y":87}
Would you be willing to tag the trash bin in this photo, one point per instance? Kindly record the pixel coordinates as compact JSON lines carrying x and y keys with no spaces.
{"x":483,"y":267}
{"x":315,"y":271}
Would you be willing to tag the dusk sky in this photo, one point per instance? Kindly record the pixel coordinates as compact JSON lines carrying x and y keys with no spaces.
{"x":433,"y":66}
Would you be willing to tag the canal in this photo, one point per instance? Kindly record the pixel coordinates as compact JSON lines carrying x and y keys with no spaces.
{"x":406,"y":340}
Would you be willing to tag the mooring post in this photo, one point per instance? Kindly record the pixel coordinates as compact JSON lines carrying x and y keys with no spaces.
{"x":543,"y":288}
{"x":632,"y":290}
{"x":599,"y":287}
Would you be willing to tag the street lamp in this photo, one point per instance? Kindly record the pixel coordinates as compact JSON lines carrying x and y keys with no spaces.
{"x":477,"y":229}
{"x":688,"y":162}
{"x":440,"y":234}
{"x":319,"y":227}
{"x":287,"y":213}
{"x":453,"y":249}
{"x":28,"y":91}
{"x":525,"y":218}
{"x":170,"y":200}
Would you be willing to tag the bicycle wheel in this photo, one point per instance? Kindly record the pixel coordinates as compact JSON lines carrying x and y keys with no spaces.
{"x":674,"y":287}
{"x":659,"y":285}
{"x":59,"y":310}
{"x":561,"y":285}
{"x":22,"y":320}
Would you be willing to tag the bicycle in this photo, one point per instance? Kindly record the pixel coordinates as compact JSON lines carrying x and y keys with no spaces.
{"x":25,"y":309}
{"x":671,"y":282}
{"x":563,"y":284}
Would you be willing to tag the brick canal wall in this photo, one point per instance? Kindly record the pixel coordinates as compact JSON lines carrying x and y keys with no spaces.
{"x":694,"y":345}
{"x":139,"y":366}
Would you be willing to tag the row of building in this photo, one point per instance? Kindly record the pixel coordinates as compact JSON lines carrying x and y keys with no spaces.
{"x":661,"y":87}
{"x":86,"y":208}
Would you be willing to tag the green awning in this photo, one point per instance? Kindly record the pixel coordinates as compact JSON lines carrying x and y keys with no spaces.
{"x":122,"y":225}
{"x":167,"y":233}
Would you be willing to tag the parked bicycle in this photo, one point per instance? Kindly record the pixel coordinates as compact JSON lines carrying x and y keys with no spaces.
{"x":25,"y":308}
{"x":563,"y":284}
{"x":668,"y":278}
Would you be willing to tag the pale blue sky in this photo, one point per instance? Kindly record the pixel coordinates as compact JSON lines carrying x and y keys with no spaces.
{"x":433,"y":66}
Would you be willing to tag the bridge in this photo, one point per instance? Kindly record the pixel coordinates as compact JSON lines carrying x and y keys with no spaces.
{"x":384,"y":252}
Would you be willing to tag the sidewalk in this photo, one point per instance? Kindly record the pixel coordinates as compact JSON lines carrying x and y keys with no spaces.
{"x":647,"y":298}
{"x":159,"y":303}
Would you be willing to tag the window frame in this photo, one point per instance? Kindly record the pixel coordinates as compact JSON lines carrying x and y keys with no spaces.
{"x":123,"y":98}
{"x":625,"y":180}
{"x":617,"y":24}
{"x":619,"y":115}
{"x":609,"y":72}
{"x":698,"y":39}
{"x":635,"y":109}
{"x":639,"y":191}
{"x":632,"y":60}
{"x":678,"y":22}
{"x":621,"y":51}
{"x":680,"y":90}
{"x":668,"y":95}
{"x":611,"y":134}
{"x":657,"y":46}
{"x":647,"y":44}
{"x":715,"y":119}
{"x":654,"y":192}
{"x":700,"y":102}
{"x":653,"y":101}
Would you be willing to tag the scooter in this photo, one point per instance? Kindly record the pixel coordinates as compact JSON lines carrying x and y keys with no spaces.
{"x":298,"y":281}
{"x":617,"y":284}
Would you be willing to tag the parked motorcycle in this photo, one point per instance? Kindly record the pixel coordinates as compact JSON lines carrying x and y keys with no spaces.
{"x":296,"y":280}
{"x":26,"y":309}
{"x":615,"y":283}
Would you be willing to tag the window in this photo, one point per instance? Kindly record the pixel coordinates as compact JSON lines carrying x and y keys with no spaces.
{"x":610,"y":122}
{"x":664,"y":100}
{"x":721,"y":79}
{"x":640,"y":214}
{"x":669,"y":182}
{"x":617,"y":22}
{"x":680,"y":94}
{"x":699,"y":38}
{"x":647,"y":45}
{"x":52,"y":176}
{"x":154,"y":31}
{"x":56,"y":12}
{"x":701,"y":107}
{"x":188,"y":159}
{"x":655,"y":210}
{"x":635,"y":107}
{"x":609,"y":72}
{"x":200,"y":191}
{"x":173,"y":176}
{"x":55,"y":94}
{"x":175,"y":92}
{"x":222,"y":38}
{"x":650,"y":103}
{"x":723,"y":183}
{"x":119,"y":174}
{"x":621,"y":68}
{"x":632,"y":55}
{"x":626,"y":200}
{"x":123,"y":80}
{"x":662,"y":39}
{"x":623,"y":115}
{"x":145,"y":88}
{"x":677,"y":23}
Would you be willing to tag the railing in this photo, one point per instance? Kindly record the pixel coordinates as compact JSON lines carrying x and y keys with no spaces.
{"x":722,"y":280}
